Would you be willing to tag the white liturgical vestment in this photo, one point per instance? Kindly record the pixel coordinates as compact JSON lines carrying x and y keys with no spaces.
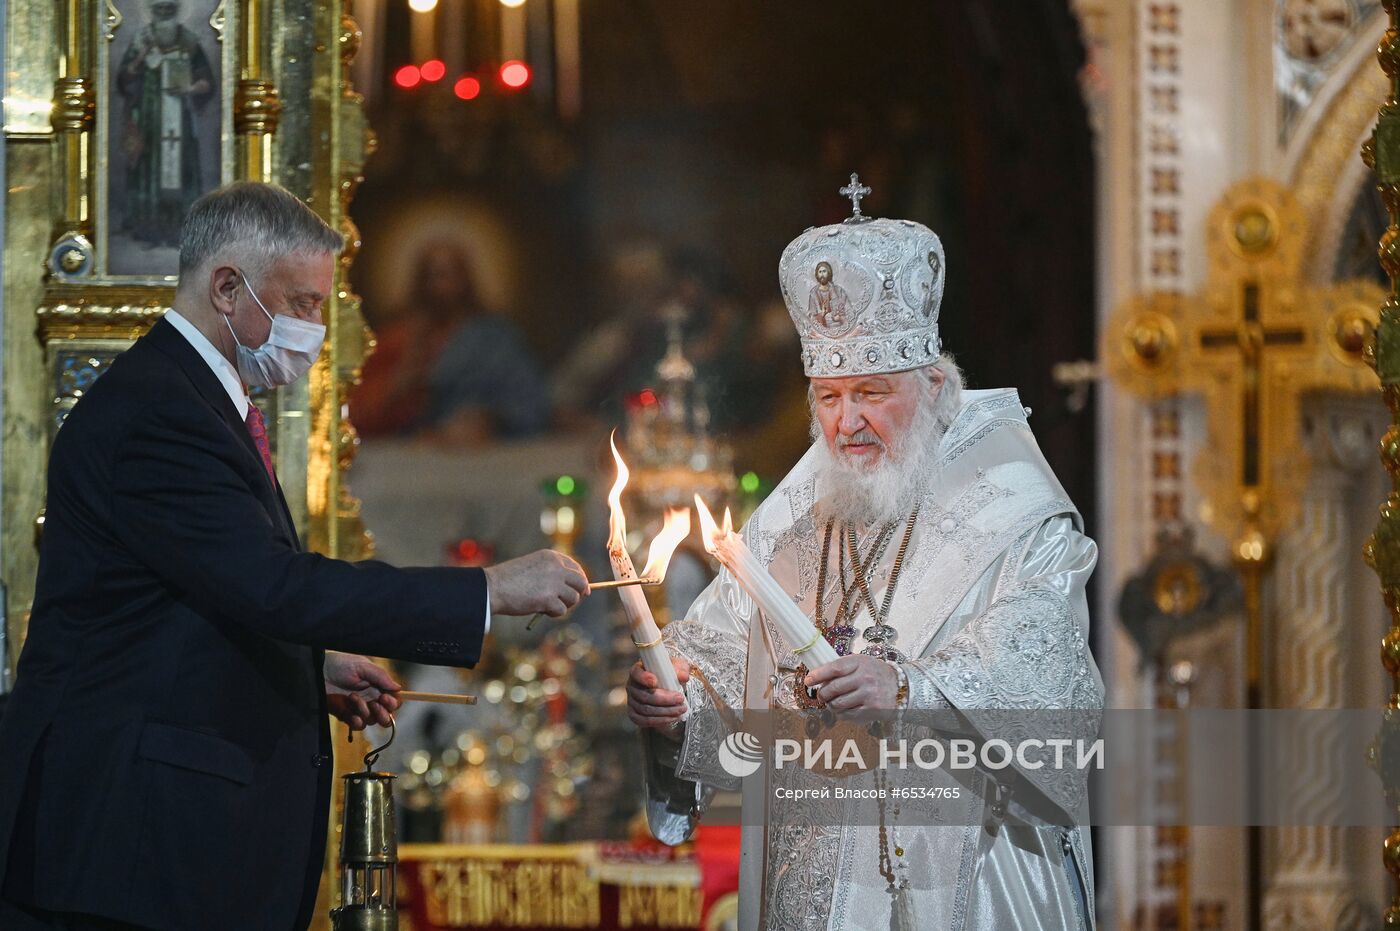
{"x":990,"y":609}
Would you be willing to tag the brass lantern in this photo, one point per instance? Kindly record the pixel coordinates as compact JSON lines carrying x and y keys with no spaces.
{"x":369,"y":850}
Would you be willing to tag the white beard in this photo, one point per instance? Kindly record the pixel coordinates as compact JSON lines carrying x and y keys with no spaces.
{"x":866,"y":496}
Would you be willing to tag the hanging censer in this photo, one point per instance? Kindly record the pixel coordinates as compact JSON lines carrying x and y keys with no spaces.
{"x":369,"y":850}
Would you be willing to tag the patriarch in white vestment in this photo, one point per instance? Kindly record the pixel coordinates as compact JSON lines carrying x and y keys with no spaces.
{"x":931,"y":544}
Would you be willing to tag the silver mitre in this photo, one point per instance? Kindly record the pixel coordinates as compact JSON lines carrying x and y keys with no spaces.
{"x":864,"y":293}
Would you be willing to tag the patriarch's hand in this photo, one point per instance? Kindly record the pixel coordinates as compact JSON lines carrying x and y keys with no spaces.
{"x":649,"y":706}
{"x":855,"y":683}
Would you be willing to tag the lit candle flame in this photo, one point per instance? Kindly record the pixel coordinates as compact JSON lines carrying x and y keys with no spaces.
{"x":617,"y":521}
{"x":710,"y":532}
{"x":674,"y":529}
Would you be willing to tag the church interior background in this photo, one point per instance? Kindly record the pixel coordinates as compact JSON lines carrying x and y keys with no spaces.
{"x":566,"y":216}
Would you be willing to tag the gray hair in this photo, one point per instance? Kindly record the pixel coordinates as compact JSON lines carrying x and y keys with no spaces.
{"x":253,"y":223}
{"x":949,"y":400}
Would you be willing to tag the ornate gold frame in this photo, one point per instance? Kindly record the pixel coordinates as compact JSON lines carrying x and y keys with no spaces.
{"x":1382,"y":552}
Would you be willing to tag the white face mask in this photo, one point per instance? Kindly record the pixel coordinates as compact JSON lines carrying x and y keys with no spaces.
{"x":288,"y":353}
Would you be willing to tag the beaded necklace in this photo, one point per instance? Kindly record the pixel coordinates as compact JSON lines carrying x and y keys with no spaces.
{"x":880,"y":636}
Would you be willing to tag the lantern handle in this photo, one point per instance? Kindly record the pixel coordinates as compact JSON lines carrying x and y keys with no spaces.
{"x":372,"y":757}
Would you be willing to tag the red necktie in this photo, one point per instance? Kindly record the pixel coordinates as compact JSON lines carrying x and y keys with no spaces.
{"x":258,"y":430}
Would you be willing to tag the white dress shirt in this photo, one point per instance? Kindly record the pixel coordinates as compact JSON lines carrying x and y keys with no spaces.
{"x":228,"y":377}
{"x":223,"y":369}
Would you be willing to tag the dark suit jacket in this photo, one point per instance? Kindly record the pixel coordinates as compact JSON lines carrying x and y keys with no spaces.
{"x":166,"y":744}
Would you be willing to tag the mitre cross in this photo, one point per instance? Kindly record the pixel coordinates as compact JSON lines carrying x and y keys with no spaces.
{"x":856,"y":192}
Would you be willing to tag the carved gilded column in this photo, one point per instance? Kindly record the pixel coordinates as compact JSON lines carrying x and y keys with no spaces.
{"x":1382,"y":552}
{"x":333,"y":514}
{"x":1311,"y":884}
{"x":74,"y":111}
{"x":256,"y":105}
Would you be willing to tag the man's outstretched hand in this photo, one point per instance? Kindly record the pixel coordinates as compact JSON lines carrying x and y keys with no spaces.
{"x":544,"y":582}
{"x":356,"y":690}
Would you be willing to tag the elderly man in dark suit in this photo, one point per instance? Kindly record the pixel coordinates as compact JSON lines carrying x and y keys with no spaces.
{"x":167,"y":750}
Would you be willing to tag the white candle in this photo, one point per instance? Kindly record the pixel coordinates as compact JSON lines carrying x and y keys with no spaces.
{"x":645,"y":634}
{"x":728,"y":547}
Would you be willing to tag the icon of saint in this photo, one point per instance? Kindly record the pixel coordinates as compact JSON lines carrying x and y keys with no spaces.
{"x":827,"y":302}
{"x":166,"y":78}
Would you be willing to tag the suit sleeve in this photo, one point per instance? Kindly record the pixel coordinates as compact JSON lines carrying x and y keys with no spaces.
{"x":184,"y":508}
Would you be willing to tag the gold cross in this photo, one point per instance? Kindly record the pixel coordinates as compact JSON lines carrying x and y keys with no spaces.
{"x":1252,"y":343}
{"x":1248,"y":342}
